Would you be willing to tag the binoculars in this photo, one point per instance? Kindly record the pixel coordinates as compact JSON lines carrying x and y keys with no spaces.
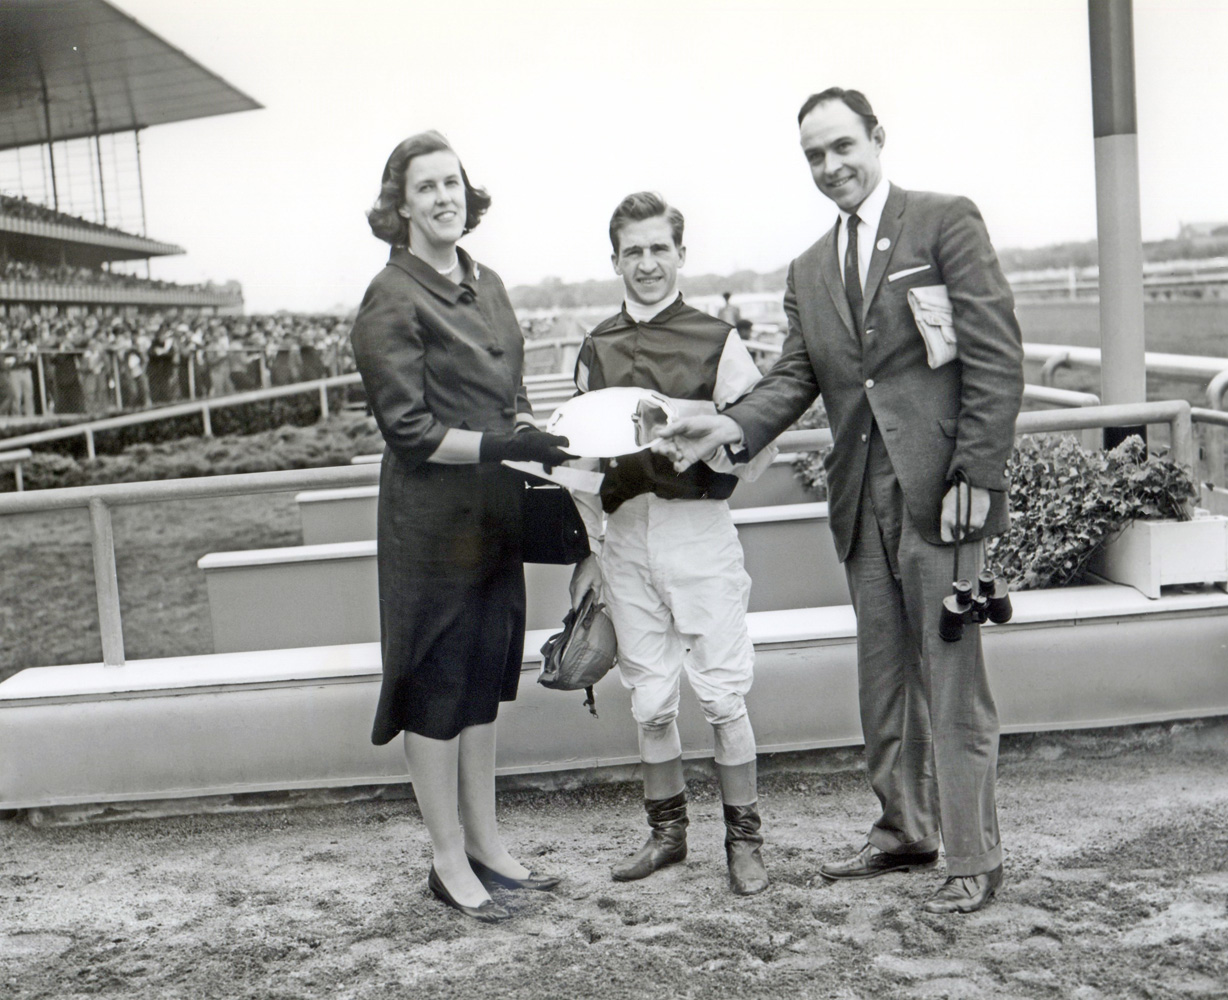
{"x":990,"y":602}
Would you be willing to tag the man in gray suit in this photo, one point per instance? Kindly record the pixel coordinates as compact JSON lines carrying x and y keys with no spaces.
{"x":903,"y":431}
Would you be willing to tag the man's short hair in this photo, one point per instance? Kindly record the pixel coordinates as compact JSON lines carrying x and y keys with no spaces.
{"x":854,"y":100}
{"x":645,"y":205}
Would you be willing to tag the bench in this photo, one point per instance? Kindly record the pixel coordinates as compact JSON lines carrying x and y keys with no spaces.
{"x":348,"y":515}
{"x":326,"y":593}
{"x":231,"y":723}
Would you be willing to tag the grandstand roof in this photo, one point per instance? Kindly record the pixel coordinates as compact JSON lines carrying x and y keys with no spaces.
{"x":74,"y":68}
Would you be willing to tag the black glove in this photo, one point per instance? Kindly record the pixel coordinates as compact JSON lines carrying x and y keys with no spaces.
{"x":524,"y":446}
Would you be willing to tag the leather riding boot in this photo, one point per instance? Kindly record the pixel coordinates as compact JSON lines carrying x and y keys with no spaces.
{"x":747,"y":874}
{"x":666,"y":844}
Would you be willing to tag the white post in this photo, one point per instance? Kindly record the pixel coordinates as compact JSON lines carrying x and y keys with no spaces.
{"x":107,"y":583}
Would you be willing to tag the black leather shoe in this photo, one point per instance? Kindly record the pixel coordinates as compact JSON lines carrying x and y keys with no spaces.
{"x":666,"y":845}
{"x":870,"y":862}
{"x":489,"y":876}
{"x":489,"y":912}
{"x":964,"y":893}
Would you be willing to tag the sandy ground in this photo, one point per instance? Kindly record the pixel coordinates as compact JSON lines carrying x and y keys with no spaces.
{"x":1117,"y":887}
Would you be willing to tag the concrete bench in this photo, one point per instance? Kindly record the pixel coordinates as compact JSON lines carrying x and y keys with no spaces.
{"x":321,"y":594}
{"x":348,"y":515}
{"x":300,"y":718}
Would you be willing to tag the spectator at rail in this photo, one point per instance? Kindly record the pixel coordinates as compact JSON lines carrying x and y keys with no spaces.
{"x":285,"y":362}
{"x":163,"y":360}
{"x":18,"y":362}
{"x":311,"y":360}
{"x":60,"y":373}
{"x":217,"y":360}
{"x":92,"y":365}
{"x":730,"y":313}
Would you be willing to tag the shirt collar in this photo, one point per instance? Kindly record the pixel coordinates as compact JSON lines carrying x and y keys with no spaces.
{"x":870,"y":211}
{"x":422,"y":272}
{"x":646,"y":314}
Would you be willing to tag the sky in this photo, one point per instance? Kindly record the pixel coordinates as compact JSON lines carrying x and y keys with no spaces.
{"x":559,"y":108}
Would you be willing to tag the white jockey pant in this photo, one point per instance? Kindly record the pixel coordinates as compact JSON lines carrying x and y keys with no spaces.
{"x":677,"y":592}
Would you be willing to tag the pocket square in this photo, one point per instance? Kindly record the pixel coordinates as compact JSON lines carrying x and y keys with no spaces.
{"x":931,"y":309}
{"x":907,"y":271}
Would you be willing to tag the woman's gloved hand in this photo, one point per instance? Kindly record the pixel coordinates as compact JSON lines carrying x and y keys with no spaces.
{"x":524,"y":446}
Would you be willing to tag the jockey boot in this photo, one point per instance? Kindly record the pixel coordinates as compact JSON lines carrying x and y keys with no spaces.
{"x":666,"y":843}
{"x":747,"y":874}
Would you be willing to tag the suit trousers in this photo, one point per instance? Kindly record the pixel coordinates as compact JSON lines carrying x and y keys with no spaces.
{"x":927,"y":714}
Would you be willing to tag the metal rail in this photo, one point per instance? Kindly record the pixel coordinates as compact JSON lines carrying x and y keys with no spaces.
{"x":99,"y":500}
{"x":201,"y":407}
{"x":16,"y":458}
{"x":1055,"y":356}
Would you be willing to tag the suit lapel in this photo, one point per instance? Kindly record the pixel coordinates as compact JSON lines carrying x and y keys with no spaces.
{"x":829,"y":269}
{"x":889,"y":227}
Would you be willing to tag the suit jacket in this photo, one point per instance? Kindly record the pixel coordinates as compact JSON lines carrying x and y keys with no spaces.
{"x":932,"y":421}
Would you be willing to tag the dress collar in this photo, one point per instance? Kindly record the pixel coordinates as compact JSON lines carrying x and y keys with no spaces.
{"x":466,"y":289}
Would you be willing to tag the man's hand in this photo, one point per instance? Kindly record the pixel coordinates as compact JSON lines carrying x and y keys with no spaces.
{"x":692,"y":439}
{"x":585,"y":577}
{"x":953,"y":513}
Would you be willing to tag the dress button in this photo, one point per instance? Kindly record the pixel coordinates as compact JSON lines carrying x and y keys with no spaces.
{"x":495,"y":350}
{"x":508,"y":411}
{"x":869,"y":383}
{"x":870,"y":332}
{"x":865,"y":437}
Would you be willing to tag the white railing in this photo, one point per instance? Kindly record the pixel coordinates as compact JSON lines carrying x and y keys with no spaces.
{"x":202,"y":407}
{"x":99,"y":500}
{"x":15,"y":458}
{"x":1055,"y":356}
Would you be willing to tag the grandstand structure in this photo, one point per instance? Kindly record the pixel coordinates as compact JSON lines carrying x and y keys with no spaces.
{"x":79,"y":81}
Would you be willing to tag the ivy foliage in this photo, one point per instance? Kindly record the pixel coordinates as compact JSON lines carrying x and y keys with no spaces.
{"x":1066,"y":502}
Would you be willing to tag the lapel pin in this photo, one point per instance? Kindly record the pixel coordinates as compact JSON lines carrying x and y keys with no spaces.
{"x":883,"y":244}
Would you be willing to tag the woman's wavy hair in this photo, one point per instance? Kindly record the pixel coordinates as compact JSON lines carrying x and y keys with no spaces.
{"x":385,"y":221}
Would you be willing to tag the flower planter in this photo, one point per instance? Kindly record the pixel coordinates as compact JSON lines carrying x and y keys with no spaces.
{"x":1149,"y":555}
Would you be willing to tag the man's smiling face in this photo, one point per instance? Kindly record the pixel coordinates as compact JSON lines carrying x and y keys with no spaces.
{"x":843,"y":156}
{"x":648,"y":260}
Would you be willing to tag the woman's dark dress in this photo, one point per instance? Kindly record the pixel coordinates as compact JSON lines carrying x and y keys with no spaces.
{"x":436,"y":355}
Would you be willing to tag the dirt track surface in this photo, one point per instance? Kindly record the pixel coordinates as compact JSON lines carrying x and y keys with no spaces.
{"x":1116,"y":887}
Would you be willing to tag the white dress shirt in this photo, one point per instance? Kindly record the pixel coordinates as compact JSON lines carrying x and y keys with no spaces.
{"x":869,"y":212}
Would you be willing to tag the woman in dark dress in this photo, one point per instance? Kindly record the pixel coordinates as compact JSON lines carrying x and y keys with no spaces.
{"x":440,"y":353}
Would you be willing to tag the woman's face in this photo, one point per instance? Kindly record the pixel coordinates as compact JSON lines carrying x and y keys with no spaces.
{"x":434,"y":199}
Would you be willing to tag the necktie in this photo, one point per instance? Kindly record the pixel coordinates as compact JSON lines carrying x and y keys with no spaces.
{"x":852,"y":275}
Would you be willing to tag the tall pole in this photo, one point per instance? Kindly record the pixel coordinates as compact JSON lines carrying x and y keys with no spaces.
{"x":1118,"y":222}
{"x":55,"y":190}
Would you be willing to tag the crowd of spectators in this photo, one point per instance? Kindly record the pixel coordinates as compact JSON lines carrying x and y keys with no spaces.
{"x":98,"y":363}
{"x":67,"y":274}
{"x":21,"y":207}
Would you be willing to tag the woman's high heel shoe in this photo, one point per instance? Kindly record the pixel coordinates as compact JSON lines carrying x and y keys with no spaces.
{"x":489,"y":875}
{"x":489,"y":912}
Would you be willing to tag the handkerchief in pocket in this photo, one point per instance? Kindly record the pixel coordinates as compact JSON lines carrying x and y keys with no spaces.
{"x":931,"y":309}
